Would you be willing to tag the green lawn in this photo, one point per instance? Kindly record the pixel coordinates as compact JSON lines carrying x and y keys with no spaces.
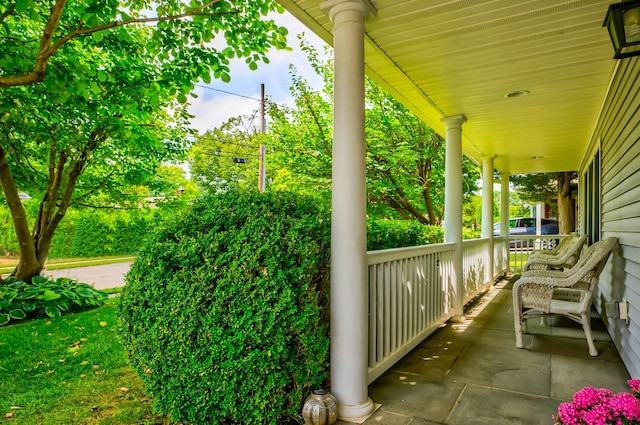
{"x":70,"y":370}
{"x":517,"y":260}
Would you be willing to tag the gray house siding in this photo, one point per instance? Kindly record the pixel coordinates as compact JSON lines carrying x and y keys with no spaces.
{"x":615,"y":146}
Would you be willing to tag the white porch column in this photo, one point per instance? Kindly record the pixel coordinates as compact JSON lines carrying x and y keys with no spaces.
{"x":539,"y":213}
{"x":487,"y":211}
{"x":453,"y":206}
{"x":349,"y":292}
{"x":504,"y":204}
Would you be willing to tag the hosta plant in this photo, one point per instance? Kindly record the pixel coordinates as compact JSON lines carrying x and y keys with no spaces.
{"x":45,"y":297}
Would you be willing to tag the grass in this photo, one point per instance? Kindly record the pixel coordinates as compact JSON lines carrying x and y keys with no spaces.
{"x":7,"y":264}
{"x":70,"y":370}
{"x":517,"y":260}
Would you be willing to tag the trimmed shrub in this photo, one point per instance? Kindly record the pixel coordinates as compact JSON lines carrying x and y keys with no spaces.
{"x":224,"y":315}
{"x":387,"y":234}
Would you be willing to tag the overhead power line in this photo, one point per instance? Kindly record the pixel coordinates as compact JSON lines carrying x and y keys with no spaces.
{"x":228,"y":92}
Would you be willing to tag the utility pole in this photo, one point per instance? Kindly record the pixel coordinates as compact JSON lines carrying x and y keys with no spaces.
{"x":262,"y":156}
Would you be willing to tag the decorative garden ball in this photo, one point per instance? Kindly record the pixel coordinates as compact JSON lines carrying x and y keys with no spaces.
{"x":320,"y":408}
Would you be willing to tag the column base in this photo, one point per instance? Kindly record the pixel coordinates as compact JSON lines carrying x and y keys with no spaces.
{"x":458,"y":318}
{"x":358,"y":413}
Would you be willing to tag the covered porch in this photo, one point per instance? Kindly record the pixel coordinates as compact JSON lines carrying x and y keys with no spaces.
{"x":518,"y":87}
{"x":471,"y":372}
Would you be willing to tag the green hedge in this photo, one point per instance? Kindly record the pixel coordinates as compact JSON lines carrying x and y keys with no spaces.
{"x":102,"y":233}
{"x":386,"y":234}
{"x":225,"y":310}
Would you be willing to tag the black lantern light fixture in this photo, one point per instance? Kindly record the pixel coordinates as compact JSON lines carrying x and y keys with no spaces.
{"x":623,"y":23}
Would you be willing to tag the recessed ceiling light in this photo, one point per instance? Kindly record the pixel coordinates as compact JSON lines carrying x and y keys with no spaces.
{"x":516,"y":93}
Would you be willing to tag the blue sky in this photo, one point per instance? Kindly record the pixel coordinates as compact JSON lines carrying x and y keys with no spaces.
{"x":212,"y":108}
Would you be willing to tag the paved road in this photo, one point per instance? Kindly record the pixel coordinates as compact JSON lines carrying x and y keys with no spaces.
{"x":101,"y":277}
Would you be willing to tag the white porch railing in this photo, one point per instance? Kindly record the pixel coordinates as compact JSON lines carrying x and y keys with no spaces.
{"x":475,"y":261}
{"x":408,"y":300}
{"x":522,"y":246}
{"x":409,"y":289}
{"x":500,"y":255}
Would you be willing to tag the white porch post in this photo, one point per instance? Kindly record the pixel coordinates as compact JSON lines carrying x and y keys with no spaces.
{"x":349,"y":292}
{"x":453,"y":206}
{"x":487,"y":211}
{"x":504,"y":204}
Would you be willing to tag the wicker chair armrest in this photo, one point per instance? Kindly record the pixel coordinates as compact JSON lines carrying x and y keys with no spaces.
{"x":560,"y":274}
{"x":544,"y":253}
{"x":536,"y":266}
{"x":530,"y":294}
{"x":549,"y":280}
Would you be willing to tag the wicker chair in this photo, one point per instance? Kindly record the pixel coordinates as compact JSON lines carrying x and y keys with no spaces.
{"x":563,"y":242}
{"x":541,"y":293}
{"x":566,"y":255}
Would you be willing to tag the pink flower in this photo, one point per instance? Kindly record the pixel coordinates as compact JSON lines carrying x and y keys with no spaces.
{"x":634,"y":384}
{"x":626,"y":405}
{"x":568,"y":414}
{"x":600,"y":406}
{"x":590,"y":396}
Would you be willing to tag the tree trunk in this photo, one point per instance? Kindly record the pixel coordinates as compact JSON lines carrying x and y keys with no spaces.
{"x":28,"y":266}
{"x":34,"y":247}
{"x":566,"y":217}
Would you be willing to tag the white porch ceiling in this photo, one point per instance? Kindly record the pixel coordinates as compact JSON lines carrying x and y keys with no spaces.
{"x":443,"y":58}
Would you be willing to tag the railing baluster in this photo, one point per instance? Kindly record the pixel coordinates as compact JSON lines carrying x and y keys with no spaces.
{"x":387,"y":309}
{"x":373,"y":311}
{"x":379,"y":312}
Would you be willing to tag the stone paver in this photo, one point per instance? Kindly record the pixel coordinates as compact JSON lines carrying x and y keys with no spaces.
{"x":471,"y":372}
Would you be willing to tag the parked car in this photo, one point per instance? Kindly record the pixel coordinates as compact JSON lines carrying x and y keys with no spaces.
{"x":521,"y":226}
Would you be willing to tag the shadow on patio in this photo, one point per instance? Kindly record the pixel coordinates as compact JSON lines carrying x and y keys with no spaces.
{"x":472,"y":373}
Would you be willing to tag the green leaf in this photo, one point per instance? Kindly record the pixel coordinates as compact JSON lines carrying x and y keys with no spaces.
{"x":182,"y":98}
{"x":70,"y":294}
{"x":253,"y":66}
{"x":62,"y":97}
{"x":4,"y":319}
{"x":17,"y":314}
{"x":28,"y":307}
{"x":22,"y":6}
{"x":52,"y":311}
{"x":87,"y":293}
{"x":81,"y":86}
{"x":95,"y":88}
{"x":50,"y":295}
{"x":98,"y":36}
{"x":39,"y":280}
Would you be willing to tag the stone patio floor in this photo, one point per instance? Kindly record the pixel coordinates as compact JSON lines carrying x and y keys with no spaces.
{"x":471,"y":373}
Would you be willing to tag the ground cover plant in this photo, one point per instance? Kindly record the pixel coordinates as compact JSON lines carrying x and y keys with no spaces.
{"x":70,"y":370}
{"x":224,"y":312}
{"x":45,"y":297}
